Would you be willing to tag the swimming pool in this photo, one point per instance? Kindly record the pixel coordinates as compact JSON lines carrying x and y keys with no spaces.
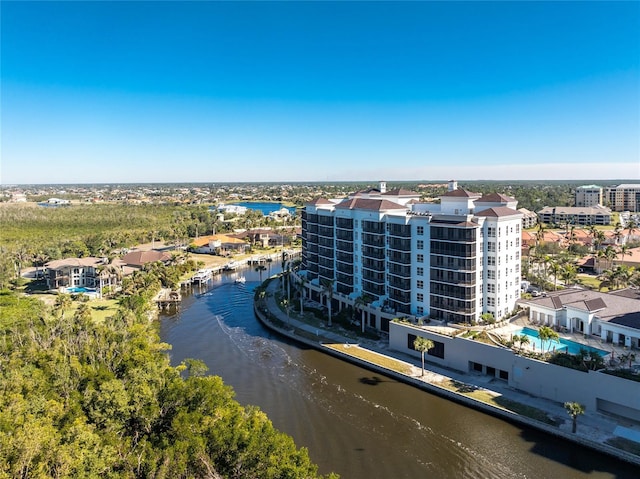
{"x":79,"y":289}
{"x":565,"y":345}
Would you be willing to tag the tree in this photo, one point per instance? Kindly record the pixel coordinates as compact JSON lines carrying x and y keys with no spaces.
{"x":546,"y":334}
{"x":63,"y":302}
{"x":574,"y":409}
{"x":521,"y":339}
{"x":327,"y":288}
{"x":302,"y":285}
{"x":359,"y":304}
{"x":422,"y":345}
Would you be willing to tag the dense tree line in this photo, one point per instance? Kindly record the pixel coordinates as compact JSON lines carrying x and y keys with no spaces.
{"x":80,"y":398}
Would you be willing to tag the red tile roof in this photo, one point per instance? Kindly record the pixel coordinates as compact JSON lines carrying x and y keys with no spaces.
{"x":369,"y":204}
{"x":498,"y":211}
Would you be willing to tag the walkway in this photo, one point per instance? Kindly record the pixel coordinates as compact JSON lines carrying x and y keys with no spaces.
{"x":592,"y":426}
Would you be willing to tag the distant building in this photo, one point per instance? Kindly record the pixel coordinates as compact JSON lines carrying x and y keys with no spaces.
{"x":529,"y":218}
{"x":588,"y":195}
{"x":625,"y":197}
{"x":562,"y":215}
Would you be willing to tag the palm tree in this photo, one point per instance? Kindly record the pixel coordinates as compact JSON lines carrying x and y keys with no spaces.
{"x":302,"y":285}
{"x":632,"y":226}
{"x":423,"y":345}
{"x":327,"y":288}
{"x":63,"y":302}
{"x":555,"y":268}
{"x":359,"y":304}
{"x":521,"y":339}
{"x":574,"y":409}
{"x":545,"y":333}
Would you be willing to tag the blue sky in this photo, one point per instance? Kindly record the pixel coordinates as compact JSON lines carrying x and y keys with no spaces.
{"x":318,"y":91}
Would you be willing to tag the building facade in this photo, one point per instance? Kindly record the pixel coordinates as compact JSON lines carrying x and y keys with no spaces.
{"x":563,"y":215}
{"x":588,"y":195}
{"x":624,"y":197}
{"x":452,"y":261}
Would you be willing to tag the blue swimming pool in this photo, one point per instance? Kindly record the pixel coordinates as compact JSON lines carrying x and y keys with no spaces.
{"x":564,"y":345}
{"x":80,"y":289}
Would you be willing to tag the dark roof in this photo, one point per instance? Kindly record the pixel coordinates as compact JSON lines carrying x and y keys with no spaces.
{"x":366,"y":192}
{"x":556,"y":301}
{"x":498,"y":211}
{"x":460,"y":193}
{"x":369,"y":204}
{"x":320,"y":201}
{"x":595,"y":304}
{"x":496,"y":198}
{"x":139,"y":258}
{"x":613,"y":308}
{"x":401,"y":192}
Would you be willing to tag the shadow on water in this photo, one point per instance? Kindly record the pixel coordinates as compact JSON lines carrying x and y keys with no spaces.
{"x":372,"y":381}
{"x":577,"y":457}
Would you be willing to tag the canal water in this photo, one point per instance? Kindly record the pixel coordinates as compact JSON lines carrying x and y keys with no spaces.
{"x":354,"y":422}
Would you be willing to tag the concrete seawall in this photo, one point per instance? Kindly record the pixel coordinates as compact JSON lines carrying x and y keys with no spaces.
{"x":453,"y":396}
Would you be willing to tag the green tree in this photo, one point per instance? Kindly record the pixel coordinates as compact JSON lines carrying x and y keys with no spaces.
{"x":574,"y":409}
{"x":547,"y":335}
{"x":422,"y":345}
{"x":327,"y":289}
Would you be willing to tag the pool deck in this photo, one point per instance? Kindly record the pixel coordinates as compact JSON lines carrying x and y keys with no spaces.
{"x":592,"y":341}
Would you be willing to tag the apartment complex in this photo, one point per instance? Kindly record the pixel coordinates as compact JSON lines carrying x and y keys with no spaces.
{"x":563,"y":215}
{"x":451,"y":261}
{"x":588,"y":195}
{"x":625,"y":197}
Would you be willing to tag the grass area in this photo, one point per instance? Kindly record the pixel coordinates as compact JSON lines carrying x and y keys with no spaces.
{"x":497,"y":400}
{"x":590,"y":281}
{"x":372,"y":357}
{"x":623,"y":444}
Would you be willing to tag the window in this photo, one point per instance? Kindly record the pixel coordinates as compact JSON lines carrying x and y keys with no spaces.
{"x":420,"y":258}
{"x":420,"y":244}
{"x":491,"y":261}
{"x":491,"y":288}
{"x":491,"y":302}
{"x":420,"y":271}
{"x":420,"y":297}
{"x":420,"y":230}
{"x":491,"y":274}
{"x":420,"y":284}
{"x":420,"y":310}
{"x":491,"y":247}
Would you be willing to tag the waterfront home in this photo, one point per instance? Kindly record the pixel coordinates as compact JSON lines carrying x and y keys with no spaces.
{"x":137,"y":259}
{"x":72,"y":272}
{"x":218,"y":244}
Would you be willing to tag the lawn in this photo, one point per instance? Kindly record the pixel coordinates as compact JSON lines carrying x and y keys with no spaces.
{"x":372,"y":357}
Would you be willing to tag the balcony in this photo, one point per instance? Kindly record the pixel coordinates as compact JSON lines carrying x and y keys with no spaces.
{"x":373,"y":227}
{"x":400,"y":271}
{"x":344,"y":235}
{"x":400,"y":258}
{"x":373,"y":240}
{"x":375,"y":253}
{"x":400,"y":244}
{"x":344,"y":246}
{"x":401,"y":284}
{"x":326,"y":252}
{"x":400,"y":231}
{"x":399,"y":296}
{"x":345,"y":268}
{"x":325,"y":231}
{"x":372,"y":276}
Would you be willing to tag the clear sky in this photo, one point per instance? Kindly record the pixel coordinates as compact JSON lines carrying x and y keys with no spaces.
{"x":318,"y":91}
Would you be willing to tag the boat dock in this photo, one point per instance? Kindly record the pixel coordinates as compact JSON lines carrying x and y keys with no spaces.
{"x":167,"y":298}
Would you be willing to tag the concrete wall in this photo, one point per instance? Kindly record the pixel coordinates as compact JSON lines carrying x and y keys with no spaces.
{"x":538,"y":378}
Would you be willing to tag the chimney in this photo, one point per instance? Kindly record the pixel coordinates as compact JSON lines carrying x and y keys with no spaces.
{"x":383,"y":187}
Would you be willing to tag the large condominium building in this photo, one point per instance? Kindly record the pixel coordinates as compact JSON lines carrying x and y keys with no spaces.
{"x":451,"y":261}
{"x":624,"y":197}
{"x":588,"y":195}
